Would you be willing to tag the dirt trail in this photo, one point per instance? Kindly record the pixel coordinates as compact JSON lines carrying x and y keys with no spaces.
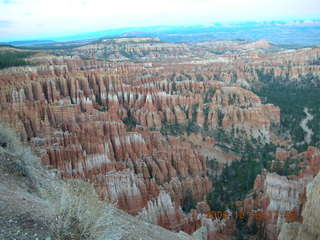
{"x":304,"y":126}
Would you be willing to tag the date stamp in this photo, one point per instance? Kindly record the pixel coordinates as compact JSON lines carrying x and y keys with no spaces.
{"x":259,"y":215}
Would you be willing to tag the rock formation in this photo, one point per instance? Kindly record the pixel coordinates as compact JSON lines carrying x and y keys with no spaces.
{"x":309,"y":228}
{"x":142,"y":131}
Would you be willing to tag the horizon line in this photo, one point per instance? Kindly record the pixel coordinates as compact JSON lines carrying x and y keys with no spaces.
{"x":67,"y":37}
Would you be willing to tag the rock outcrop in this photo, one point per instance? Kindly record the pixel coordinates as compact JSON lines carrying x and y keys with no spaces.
{"x":279,"y":200}
{"x":309,"y":228}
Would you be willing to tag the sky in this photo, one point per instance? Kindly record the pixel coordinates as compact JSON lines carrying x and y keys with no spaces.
{"x":42,"y":19}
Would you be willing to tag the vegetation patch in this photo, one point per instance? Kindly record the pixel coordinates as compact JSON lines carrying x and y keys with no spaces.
{"x":188,"y":202}
{"x":237,"y":179}
{"x":130,"y":121}
{"x":14,"y":58}
{"x":292,"y":99}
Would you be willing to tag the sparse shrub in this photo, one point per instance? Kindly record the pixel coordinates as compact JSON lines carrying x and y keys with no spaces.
{"x":77,"y":212}
{"x":14,"y":156}
{"x":8,"y":140}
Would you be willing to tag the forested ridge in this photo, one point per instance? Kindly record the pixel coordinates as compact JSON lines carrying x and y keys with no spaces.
{"x":13,"y":58}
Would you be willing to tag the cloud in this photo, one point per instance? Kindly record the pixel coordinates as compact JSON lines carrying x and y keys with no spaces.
{"x":4,"y":23}
{"x":61,"y":17}
{"x":7,"y":1}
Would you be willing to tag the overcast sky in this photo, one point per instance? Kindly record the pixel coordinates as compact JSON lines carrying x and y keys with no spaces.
{"x":30,"y":19}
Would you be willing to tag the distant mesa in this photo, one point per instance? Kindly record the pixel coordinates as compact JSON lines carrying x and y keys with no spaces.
{"x":260,"y":44}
